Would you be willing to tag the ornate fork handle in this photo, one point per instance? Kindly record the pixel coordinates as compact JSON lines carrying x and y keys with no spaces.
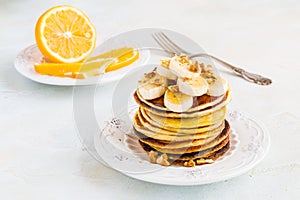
{"x":255,"y":78}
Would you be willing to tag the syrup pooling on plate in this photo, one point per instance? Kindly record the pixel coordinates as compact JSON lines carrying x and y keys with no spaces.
{"x":196,"y":99}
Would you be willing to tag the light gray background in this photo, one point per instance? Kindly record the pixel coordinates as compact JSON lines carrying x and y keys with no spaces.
{"x":40,"y":154}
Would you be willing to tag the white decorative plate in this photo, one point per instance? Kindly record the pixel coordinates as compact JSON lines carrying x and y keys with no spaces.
{"x":103,"y":117}
{"x":249,"y":144}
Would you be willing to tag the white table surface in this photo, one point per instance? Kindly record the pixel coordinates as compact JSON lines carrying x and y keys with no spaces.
{"x":41,"y":156}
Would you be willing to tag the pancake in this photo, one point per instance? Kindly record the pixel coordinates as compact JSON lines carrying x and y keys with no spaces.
{"x":206,"y":120}
{"x":199,"y":103}
{"x":145,"y":118}
{"x":209,"y":159}
{"x":201,"y":154}
{"x":189,"y":129}
{"x":176,"y":131}
{"x":207,"y":153}
{"x":169,"y":150}
{"x":161,"y":144}
{"x":162,"y":134}
{"x":226,"y":99}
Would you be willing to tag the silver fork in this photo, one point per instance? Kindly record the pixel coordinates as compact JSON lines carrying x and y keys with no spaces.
{"x":173,"y":49}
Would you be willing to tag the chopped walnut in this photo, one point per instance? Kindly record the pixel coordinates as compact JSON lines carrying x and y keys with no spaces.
{"x":141,"y":82}
{"x":204,"y":161}
{"x":189,"y":163}
{"x":150,"y":74}
{"x":194,"y":67}
{"x":165,"y":62}
{"x":157,"y":81}
{"x":205,"y":67}
{"x":202,"y":66}
{"x":208,"y":73}
{"x":163,"y":160}
{"x":174,"y":89}
{"x":186,"y":79}
{"x":153,"y":78}
{"x":210,"y":80}
{"x":183,"y":59}
{"x":153,"y":156}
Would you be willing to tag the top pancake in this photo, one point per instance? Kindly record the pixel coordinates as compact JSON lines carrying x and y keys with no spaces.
{"x":199,"y":103}
{"x":204,"y":105}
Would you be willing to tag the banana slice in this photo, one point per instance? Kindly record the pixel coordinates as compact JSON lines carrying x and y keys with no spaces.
{"x":152,"y":85}
{"x":176,"y":101}
{"x":183,"y":67}
{"x":163,"y":71}
{"x":217,"y":87}
{"x":193,"y":87}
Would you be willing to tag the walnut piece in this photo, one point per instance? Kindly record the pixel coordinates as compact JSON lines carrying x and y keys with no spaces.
{"x":174,"y":89}
{"x":153,"y":156}
{"x":208,"y":73}
{"x":165,"y":62}
{"x":194,"y":67}
{"x":157,"y":81}
{"x":163,"y":160}
{"x":183,"y":59}
{"x":189,"y":163}
{"x":202,"y":161}
{"x":150,"y":74}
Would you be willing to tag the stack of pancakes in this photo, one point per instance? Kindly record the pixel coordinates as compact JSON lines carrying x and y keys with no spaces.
{"x":197,"y":136}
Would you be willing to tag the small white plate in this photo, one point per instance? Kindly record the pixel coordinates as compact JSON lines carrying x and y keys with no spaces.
{"x":24,"y":64}
{"x":139,"y":38}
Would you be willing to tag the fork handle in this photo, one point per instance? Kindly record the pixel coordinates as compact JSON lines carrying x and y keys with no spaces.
{"x":255,"y":78}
